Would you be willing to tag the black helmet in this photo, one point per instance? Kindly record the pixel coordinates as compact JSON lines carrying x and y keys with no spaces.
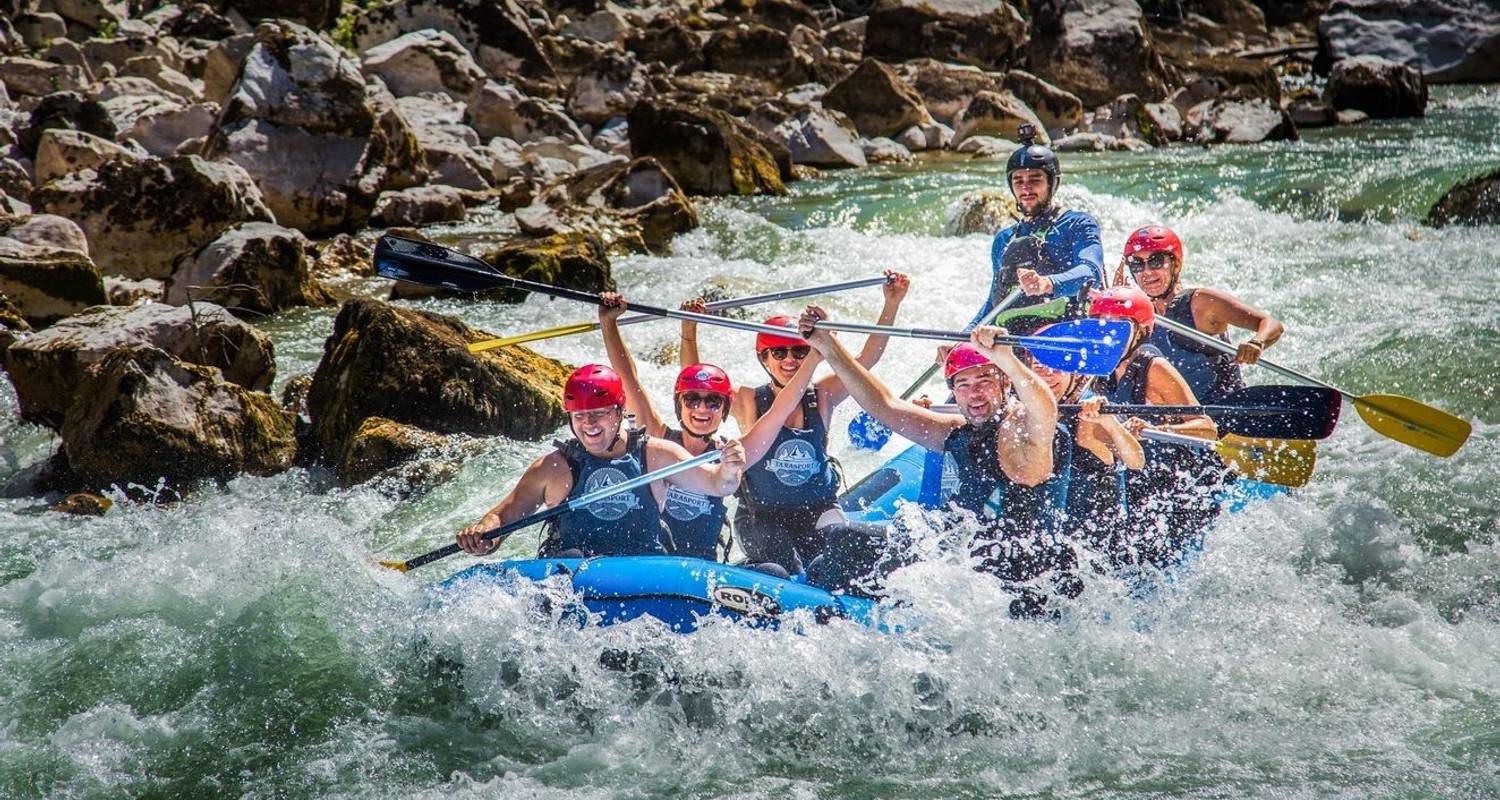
{"x":1031,"y":155}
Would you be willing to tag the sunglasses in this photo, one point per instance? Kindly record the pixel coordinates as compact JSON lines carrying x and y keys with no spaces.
{"x":798,"y":352}
{"x":1158,"y":260}
{"x":712,"y":402}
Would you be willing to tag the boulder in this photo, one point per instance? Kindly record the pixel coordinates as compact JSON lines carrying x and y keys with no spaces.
{"x":877,"y":100}
{"x":38,"y":30}
{"x":69,"y":111}
{"x":141,"y":416}
{"x":881,"y":150}
{"x":1101,"y":52}
{"x":419,"y":205}
{"x":821,"y":137}
{"x":48,"y":367}
{"x":995,"y":114}
{"x":1240,"y":122}
{"x":151,"y":69}
{"x":315,"y":14}
{"x":15,"y":180}
{"x":666,"y":41}
{"x":94,"y":15}
{"x":984,"y":33}
{"x":1088,"y":142}
{"x":986,"y":147}
{"x":497,"y":32}
{"x":1130,"y":118}
{"x":161,"y":129}
{"x":708,"y":151}
{"x":1378,"y":87}
{"x":1058,"y":110}
{"x":945,"y":89}
{"x":424,"y":61}
{"x":379,"y":445}
{"x":501,"y":109}
{"x":1312,"y":112}
{"x":571,"y":260}
{"x":635,"y":206}
{"x":1235,"y":78}
{"x":46,"y":230}
{"x":254,"y":267}
{"x":83,"y":504}
{"x":759,"y":52}
{"x":221,"y":66}
{"x":29,"y":76}
{"x":1448,"y":41}
{"x":200,"y":21}
{"x":61,"y":152}
{"x":341,"y":256}
{"x":48,"y":283}
{"x":127,"y":292}
{"x":983,"y":211}
{"x":100,"y":54}
{"x":140,"y":216}
{"x":608,"y":90}
{"x":1472,"y":202}
{"x":414,"y":367}
{"x":606,"y":26}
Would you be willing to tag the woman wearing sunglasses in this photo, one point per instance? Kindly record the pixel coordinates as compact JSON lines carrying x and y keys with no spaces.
{"x":1153,"y":257}
{"x":788,"y":492}
{"x":700,"y":399}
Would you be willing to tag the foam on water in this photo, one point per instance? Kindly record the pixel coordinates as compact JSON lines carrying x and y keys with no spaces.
{"x":1342,"y":642}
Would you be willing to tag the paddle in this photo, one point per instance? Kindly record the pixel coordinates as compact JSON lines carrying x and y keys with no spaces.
{"x":717,"y":305}
{"x":868,"y":433}
{"x":1408,"y":421}
{"x":1091,"y":346}
{"x":1284,"y":462}
{"x":557,"y":510}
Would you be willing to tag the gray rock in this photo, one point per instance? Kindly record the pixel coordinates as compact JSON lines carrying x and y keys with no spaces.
{"x":254,"y":267}
{"x":47,"y":283}
{"x":62,"y":152}
{"x":877,"y":100}
{"x":500,"y":109}
{"x":1127,"y":117}
{"x":1243,"y":122}
{"x":1101,"y":53}
{"x":1471,"y":202}
{"x":946,"y":89}
{"x":995,"y":114}
{"x":28,"y":76}
{"x":613,"y":137}
{"x":160,"y":129}
{"x":984,"y":33}
{"x":1378,"y":87}
{"x":94,"y":15}
{"x":881,"y":150}
{"x":419,"y":205}
{"x":1097,"y":143}
{"x":1312,"y":112}
{"x":821,"y":138}
{"x":986,"y":147}
{"x":1057,"y":109}
{"x":607,"y":91}
{"x":497,"y":32}
{"x":38,"y":30}
{"x":1447,"y":40}
{"x":49,"y":230}
{"x":424,"y":61}
{"x":151,"y":68}
{"x":984,"y":211}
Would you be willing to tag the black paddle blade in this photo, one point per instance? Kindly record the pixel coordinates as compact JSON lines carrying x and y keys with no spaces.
{"x":433,"y":265}
{"x":1279,"y":412}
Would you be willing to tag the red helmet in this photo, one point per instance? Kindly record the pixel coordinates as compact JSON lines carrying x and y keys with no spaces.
{"x":1154,"y":238}
{"x":962,"y":357}
{"x":593,"y":386}
{"x":703,"y":378}
{"x":764,"y":341}
{"x":1125,"y":302}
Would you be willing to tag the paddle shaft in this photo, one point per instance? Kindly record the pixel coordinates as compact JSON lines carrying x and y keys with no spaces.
{"x":1148,"y":410}
{"x":1225,"y":347}
{"x":568,"y":505}
{"x":932,"y":368}
{"x":759,"y":299}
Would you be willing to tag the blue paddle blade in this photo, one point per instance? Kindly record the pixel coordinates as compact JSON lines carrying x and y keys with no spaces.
{"x":1083,"y":346}
{"x":433,"y":265}
{"x":868,"y":433}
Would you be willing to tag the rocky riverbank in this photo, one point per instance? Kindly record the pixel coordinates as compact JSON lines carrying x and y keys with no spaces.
{"x":169,"y":175}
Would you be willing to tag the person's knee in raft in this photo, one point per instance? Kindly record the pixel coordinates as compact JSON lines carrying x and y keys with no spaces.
{"x":602,"y":453}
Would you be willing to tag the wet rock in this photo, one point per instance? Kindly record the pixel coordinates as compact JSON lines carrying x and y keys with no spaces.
{"x":380,"y":444}
{"x":706,"y":150}
{"x":1057,"y":109}
{"x":1101,"y":52}
{"x":341,"y":255}
{"x":1128,"y":118}
{"x":501,"y":109}
{"x":984,"y":33}
{"x":254,"y":267}
{"x":46,"y":230}
{"x":1097,"y":143}
{"x":66,"y":110}
{"x":1240,"y":122}
{"x":497,"y":32}
{"x":1167,"y":119}
{"x":983,"y":211}
{"x":419,"y":205}
{"x":1472,"y":202}
{"x":821,"y":137}
{"x":48,"y":283}
{"x":995,"y":114}
{"x":945,"y":89}
{"x":608,"y":90}
{"x":877,"y":100}
{"x":571,"y":260}
{"x":83,"y":504}
{"x":1377,"y":87}
{"x":1312,"y":112}
{"x":61,"y":152}
{"x":1446,"y":40}
{"x":29,"y":76}
{"x":414,"y":368}
{"x":881,"y":150}
{"x":424,"y":61}
{"x":140,"y":416}
{"x":139,"y":216}
{"x":315,"y":14}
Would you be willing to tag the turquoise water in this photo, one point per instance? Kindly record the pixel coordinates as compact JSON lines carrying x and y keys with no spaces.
{"x":1344,"y":642}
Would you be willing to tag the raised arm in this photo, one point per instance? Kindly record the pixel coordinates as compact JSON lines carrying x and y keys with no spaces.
{"x":923,"y":427}
{"x":831,"y":388}
{"x":1219,"y":310}
{"x":636,"y":401}
{"x":687,"y":352}
{"x":1024,"y":439}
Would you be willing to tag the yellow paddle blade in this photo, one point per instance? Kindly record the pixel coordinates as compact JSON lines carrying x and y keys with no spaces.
{"x":1413,"y":423}
{"x":534,"y":336}
{"x":1285,"y":462}
{"x":399,"y":566}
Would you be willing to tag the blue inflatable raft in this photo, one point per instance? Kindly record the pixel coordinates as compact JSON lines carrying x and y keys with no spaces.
{"x":681,"y":592}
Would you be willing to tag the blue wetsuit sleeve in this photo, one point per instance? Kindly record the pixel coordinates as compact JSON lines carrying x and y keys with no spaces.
{"x":997,"y":249}
{"x":1087,"y":259}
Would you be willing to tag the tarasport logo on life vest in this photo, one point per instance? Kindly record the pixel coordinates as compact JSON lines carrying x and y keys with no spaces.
{"x":686,"y":506}
{"x":614,"y":507}
{"x":948,"y":484}
{"x":795,"y":462}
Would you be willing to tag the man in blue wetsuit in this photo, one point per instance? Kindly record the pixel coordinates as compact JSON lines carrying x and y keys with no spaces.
{"x":1050,"y":252}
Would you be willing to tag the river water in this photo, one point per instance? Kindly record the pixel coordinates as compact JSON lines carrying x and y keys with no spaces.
{"x":1342,"y":642}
